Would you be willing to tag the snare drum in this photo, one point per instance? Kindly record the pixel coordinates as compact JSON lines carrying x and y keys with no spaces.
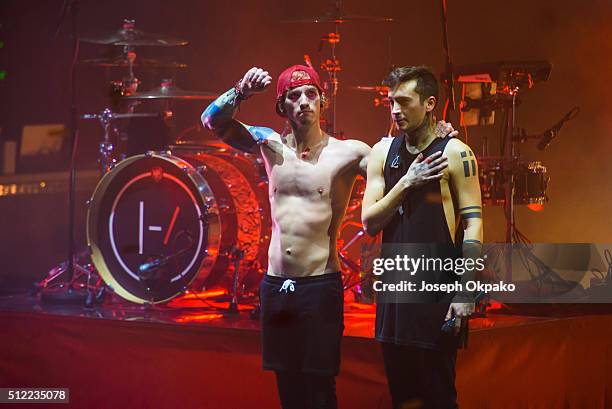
{"x":530,"y":182}
{"x":161,"y":223}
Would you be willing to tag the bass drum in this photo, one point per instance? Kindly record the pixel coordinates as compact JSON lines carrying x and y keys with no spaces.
{"x":161,"y":223}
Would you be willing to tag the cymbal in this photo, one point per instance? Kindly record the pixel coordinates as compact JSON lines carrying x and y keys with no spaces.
{"x":170,"y":91}
{"x":128,"y":35}
{"x":341,"y":18}
{"x":123,"y":61}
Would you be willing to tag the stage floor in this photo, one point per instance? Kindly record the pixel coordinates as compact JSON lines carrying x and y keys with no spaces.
{"x":190,"y":310}
{"x":185,"y":356}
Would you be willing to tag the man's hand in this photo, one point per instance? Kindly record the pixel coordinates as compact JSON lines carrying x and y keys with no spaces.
{"x":255,"y":81}
{"x":461,"y":311}
{"x":445,"y":128}
{"x":423,"y":171}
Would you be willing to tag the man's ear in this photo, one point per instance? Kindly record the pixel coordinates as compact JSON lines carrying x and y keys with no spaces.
{"x":430,"y":103}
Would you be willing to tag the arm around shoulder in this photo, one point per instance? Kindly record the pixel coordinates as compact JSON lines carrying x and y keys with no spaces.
{"x":362,"y":151}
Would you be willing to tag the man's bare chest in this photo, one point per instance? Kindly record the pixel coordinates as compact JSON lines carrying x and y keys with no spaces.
{"x":292,"y":175}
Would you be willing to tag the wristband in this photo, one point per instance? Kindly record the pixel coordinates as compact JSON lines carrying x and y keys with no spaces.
{"x":239,"y":94}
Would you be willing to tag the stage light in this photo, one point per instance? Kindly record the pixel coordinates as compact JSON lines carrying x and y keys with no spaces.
{"x":536,"y":207}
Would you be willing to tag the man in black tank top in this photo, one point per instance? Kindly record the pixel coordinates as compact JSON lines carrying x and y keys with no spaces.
{"x":418,"y":187}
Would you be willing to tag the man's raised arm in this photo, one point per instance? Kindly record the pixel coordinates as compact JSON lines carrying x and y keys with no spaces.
{"x":219,"y":115}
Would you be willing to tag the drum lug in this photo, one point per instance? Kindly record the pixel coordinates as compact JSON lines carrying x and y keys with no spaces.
{"x":148,"y":154}
{"x":201,"y":169}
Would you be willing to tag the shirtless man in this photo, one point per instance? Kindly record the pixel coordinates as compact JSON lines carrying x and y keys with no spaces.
{"x":418,"y":188}
{"x":311,"y":175}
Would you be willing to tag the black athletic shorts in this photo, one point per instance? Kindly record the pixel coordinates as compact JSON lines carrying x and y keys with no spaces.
{"x":302,"y":322}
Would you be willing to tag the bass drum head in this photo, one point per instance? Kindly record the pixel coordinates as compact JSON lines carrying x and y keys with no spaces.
{"x":240,"y":186}
{"x":150,"y":226}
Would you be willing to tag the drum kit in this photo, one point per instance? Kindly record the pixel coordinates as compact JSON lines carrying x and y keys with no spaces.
{"x":167,"y":217}
{"x":179,"y":213}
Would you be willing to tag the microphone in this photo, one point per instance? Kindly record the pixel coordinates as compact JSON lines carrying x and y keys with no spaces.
{"x":145,"y":269}
{"x":550,"y":134}
{"x":153,"y":265}
{"x":547,"y":137}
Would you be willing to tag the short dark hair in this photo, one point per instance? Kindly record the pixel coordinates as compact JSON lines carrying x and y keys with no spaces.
{"x":426,"y":82}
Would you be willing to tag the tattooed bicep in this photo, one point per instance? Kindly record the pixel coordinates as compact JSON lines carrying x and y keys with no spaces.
{"x":468,"y":162}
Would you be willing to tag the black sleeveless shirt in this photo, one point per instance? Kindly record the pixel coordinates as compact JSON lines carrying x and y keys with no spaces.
{"x":420,"y":219}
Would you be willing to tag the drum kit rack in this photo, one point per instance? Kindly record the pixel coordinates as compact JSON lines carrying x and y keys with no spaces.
{"x":210,"y":211}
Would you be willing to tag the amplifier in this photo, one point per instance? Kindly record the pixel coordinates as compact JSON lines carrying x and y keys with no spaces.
{"x":34,"y":224}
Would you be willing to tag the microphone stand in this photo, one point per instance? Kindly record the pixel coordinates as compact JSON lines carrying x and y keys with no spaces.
{"x":67,"y":294}
{"x":447,"y":75}
{"x":237,"y":256}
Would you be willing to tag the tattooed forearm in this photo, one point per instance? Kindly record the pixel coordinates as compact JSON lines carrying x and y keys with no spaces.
{"x":221,"y":111}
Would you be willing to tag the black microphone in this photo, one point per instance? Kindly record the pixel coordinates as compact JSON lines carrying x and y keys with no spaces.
{"x":550,"y":134}
{"x":158,"y":262}
{"x":153,"y":265}
{"x":547,"y":137}
{"x":147,"y":270}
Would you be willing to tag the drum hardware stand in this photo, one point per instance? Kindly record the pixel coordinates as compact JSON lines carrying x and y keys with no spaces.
{"x":106,"y":148}
{"x":509,"y":152}
{"x":512,"y":137}
{"x":332,"y":67}
{"x":354,"y":268}
{"x":54,"y":274}
{"x":236,"y":254}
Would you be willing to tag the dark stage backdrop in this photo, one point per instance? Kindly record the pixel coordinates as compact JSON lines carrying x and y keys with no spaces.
{"x":228,"y":37}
